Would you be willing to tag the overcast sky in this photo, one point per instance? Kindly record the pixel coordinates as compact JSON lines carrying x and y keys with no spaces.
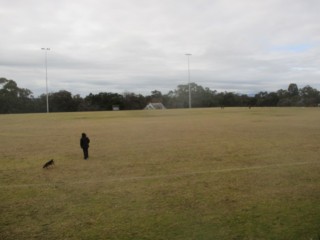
{"x":243,"y":46}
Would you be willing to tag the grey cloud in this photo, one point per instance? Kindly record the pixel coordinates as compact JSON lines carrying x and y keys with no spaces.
{"x":139,"y":45}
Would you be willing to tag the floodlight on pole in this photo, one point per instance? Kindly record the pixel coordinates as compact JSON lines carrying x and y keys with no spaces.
{"x":188,"y":55}
{"x":46,"y":66}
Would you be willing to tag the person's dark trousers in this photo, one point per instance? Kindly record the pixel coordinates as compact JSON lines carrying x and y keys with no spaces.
{"x":85,"y":153}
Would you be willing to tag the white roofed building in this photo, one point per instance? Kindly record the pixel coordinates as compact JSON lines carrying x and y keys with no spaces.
{"x":155,"y":106}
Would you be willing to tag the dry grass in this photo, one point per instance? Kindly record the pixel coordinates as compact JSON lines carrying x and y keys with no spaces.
{"x":176,"y":174}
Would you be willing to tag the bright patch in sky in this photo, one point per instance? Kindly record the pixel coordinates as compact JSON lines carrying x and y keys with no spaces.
{"x":297,"y":48}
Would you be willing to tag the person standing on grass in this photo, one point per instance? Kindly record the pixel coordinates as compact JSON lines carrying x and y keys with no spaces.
{"x":84,"y":144}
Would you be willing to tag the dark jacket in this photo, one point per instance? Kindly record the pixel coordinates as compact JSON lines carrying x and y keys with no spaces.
{"x":84,"y":142}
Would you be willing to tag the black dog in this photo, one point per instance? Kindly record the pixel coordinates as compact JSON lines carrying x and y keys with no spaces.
{"x":48,"y":164}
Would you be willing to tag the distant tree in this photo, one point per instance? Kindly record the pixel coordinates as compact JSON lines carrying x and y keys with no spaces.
{"x":61,"y":101}
{"x":134,"y":101}
{"x":40,"y":103}
{"x":103,"y":101}
{"x":230,"y":99}
{"x":14,"y":99}
{"x":92,"y":102}
{"x":19,"y":100}
{"x":156,"y":96}
{"x":77,"y":102}
{"x":181,"y":95}
{"x":310,"y":96}
{"x":200,"y":97}
{"x":265,"y":99}
{"x":246,"y":101}
{"x":282,"y":93}
{"x":272,"y":99}
{"x":293,"y":90}
{"x":169,"y":100}
{"x":209,"y":98}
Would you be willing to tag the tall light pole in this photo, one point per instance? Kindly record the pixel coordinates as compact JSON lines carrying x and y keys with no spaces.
{"x":46,"y":65}
{"x":188,"y":55}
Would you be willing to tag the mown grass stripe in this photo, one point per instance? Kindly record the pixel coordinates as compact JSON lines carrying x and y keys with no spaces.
{"x":174,"y":175}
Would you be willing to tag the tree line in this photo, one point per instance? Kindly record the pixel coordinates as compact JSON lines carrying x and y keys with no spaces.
{"x":14,"y":99}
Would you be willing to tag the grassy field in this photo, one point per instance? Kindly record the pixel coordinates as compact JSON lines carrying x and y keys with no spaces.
{"x":175,"y":174}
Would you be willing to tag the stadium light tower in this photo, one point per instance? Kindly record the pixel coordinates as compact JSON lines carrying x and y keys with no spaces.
{"x":46,"y":66}
{"x":188,"y":55}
